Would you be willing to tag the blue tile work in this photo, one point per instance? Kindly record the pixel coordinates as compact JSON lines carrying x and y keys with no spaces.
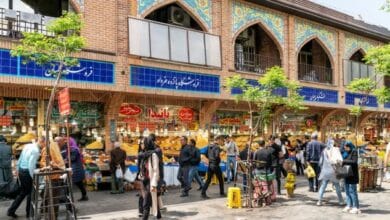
{"x":150,"y":77}
{"x":88,"y":70}
{"x":279,"y":91}
{"x":387,"y":105}
{"x":350,"y":99}
{"x":319,"y":95}
{"x":8,"y":64}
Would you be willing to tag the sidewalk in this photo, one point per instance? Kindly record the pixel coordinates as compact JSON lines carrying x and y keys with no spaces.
{"x":374,"y":205}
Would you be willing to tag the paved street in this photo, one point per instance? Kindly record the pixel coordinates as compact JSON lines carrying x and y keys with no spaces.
{"x":103,"y":205}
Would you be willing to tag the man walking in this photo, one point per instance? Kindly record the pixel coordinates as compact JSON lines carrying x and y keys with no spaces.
{"x":213,"y":151}
{"x":185,"y":165}
{"x":277,"y":154}
{"x":232,"y":152}
{"x":313,"y":155}
{"x":195,"y":161}
{"x":118,"y":158}
{"x":26,"y":166}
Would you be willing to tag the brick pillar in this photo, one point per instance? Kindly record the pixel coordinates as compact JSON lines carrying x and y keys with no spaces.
{"x":41,"y":117}
{"x":340,"y":57}
{"x":227,"y":42}
{"x":206,"y":113}
{"x":292,"y":70}
{"x":111,"y":107}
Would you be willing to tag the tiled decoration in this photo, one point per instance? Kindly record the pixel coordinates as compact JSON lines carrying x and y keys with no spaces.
{"x":244,"y":14}
{"x":201,"y":7}
{"x":305,"y":30}
{"x":350,"y":99}
{"x":353,"y":43}
{"x":279,"y":91}
{"x":87,"y":71}
{"x":319,"y":95}
{"x":156,"y":78}
{"x":387,"y":105}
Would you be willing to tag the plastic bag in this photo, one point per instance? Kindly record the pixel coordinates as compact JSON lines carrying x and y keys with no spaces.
{"x":129,"y":176}
{"x":119,"y":173}
{"x":310,"y":173}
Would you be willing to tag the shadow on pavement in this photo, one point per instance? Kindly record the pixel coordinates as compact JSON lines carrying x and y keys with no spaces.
{"x":376,"y":211}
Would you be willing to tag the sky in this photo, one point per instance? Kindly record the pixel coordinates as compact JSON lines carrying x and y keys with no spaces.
{"x":369,"y":10}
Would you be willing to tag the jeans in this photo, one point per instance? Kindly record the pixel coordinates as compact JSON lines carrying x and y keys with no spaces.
{"x":116,"y":184}
{"x":313,"y":182}
{"x":183,"y":178}
{"x":193,"y":173}
{"x":352,"y":196}
{"x":324,"y":184}
{"x":214,"y":169}
{"x":229,"y":170}
{"x":26,"y":188}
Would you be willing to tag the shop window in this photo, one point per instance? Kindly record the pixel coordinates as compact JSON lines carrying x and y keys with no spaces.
{"x":174,"y":14}
{"x":255,"y":51}
{"x":314,"y":64}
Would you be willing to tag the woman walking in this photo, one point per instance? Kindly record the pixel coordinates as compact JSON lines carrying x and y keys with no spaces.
{"x":351,"y":159}
{"x":331,"y":157}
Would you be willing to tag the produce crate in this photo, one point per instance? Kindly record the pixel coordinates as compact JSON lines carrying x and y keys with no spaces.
{"x":368,"y":178}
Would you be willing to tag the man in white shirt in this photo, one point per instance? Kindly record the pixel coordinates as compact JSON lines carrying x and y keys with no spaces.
{"x":232,"y":152}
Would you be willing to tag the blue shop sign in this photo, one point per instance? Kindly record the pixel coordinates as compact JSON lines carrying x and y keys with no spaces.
{"x":87,"y":70}
{"x":279,"y":91}
{"x":387,"y":105}
{"x":351,"y":97}
{"x":319,"y":95}
{"x":150,"y":77}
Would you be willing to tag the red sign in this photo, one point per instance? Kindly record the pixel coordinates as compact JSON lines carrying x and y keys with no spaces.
{"x":129,"y":109}
{"x":186,"y":114}
{"x":130,"y":120}
{"x":5,"y":120}
{"x":309,"y":123}
{"x":162,"y":114}
{"x":230,"y":121}
{"x":64,"y":101}
{"x":1,"y":103}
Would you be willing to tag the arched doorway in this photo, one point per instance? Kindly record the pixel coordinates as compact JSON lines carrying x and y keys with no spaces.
{"x":175,"y":15}
{"x":255,"y":50}
{"x":314,"y":64}
{"x":355,"y":68}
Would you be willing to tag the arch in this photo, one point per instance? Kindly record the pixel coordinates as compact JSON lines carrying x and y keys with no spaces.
{"x":203,"y":25}
{"x":266,"y":29}
{"x":323,"y":46}
{"x":361,"y":50}
{"x":329,"y":114}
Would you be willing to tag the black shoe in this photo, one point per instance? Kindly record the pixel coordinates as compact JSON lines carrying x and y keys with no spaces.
{"x":184,"y":195}
{"x":84,"y":198}
{"x":311,"y":190}
{"x":12,"y":215}
{"x":204,"y":196}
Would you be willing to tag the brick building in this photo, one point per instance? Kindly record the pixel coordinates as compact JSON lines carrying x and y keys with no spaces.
{"x":178,"y":53}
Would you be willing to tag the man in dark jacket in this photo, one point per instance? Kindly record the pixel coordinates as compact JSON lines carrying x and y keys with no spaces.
{"x":263,"y":158}
{"x":5,"y":161}
{"x":118,"y":158}
{"x":212,"y":153}
{"x":313,"y":154}
{"x":185,"y":164}
{"x":277,"y":154}
{"x":195,"y":161}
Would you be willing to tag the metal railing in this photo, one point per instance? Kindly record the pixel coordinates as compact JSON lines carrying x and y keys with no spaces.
{"x":355,"y":70}
{"x":313,"y":73}
{"x":13,"y":23}
{"x":251,"y":62}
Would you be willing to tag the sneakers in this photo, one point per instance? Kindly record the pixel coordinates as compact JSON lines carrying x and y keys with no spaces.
{"x":355,"y":211}
{"x":12,"y":215}
{"x":347,"y":209}
{"x":319,"y":203}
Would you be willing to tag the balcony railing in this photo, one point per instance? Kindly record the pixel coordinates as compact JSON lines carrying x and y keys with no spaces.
{"x":355,"y":70}
{"x":13,"y":23}
{"x":313,"y":73}
{"x":251,"y":62}
{"x":169,"y":42}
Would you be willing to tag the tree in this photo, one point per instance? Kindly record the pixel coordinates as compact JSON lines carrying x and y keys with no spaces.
{"x":263,"y":98}
{"x":55,"y":51}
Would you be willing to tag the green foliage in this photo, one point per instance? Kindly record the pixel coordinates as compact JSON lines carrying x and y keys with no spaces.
{"x":362,"y":85}
{"x":386,"y":6}
{"x":379,"y":57}
{"x":355,"y":110}
{"x":382,"y":95}
{"x":56,"y":49}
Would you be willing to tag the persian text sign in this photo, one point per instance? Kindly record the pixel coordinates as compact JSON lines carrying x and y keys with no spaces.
{"x":130,"y":109}
{"x":5,"y":120}
{"x":186,"y":114}
{"x":319,"y":95}
{"x":64,"y":102}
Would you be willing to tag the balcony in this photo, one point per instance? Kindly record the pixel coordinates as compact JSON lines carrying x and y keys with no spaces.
{"x":313,"y":73}
{"x":173,"y":43}
{"x":251,"y":62}
{"x":13,"y":23}
{"x":355,"y":70}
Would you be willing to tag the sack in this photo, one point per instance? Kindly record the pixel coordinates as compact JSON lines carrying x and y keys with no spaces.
{"x":119,"y":173}
{"x":310,"y":173}
{"x":11,"y":189}
{"x":129,"y":176}
{"x":343,"y":171}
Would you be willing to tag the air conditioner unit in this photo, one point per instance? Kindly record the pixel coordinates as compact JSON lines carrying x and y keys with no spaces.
{"x":178,"y":16}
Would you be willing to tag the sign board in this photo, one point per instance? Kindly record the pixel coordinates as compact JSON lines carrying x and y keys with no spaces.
{"x":130,"y":109}
{"x":5,"y":120}
{"x":186,"y":114}
{"x":64,"y":102}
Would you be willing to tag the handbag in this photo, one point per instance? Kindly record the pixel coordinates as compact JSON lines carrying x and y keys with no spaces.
{"x":119,"y":173}
{"x":343,"y":171}
{"x":310,"y":172}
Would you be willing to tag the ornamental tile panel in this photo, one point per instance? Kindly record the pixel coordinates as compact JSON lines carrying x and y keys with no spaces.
{"x":305,"y":30}
{"x":244,"y":14}
{"x":353,"y":43}
{"x":202,"y":8}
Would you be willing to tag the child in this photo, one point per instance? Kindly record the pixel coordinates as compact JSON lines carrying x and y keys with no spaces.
{"x":289,"y":166}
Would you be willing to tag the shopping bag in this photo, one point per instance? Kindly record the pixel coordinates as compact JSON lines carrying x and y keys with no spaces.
{"x":11,"y":189}
{"x":119,"y":173}
{"x":129,"y":176}
{"x":344,"y":171}
{"x":310,"y":173}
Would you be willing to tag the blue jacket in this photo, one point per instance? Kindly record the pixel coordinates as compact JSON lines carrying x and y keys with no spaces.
{"x":77,"y":164}
{"x":314,"y":150}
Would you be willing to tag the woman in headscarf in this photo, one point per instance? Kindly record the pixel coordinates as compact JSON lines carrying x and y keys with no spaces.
{"x":351,"y":159}
{"x":330,"y":157}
